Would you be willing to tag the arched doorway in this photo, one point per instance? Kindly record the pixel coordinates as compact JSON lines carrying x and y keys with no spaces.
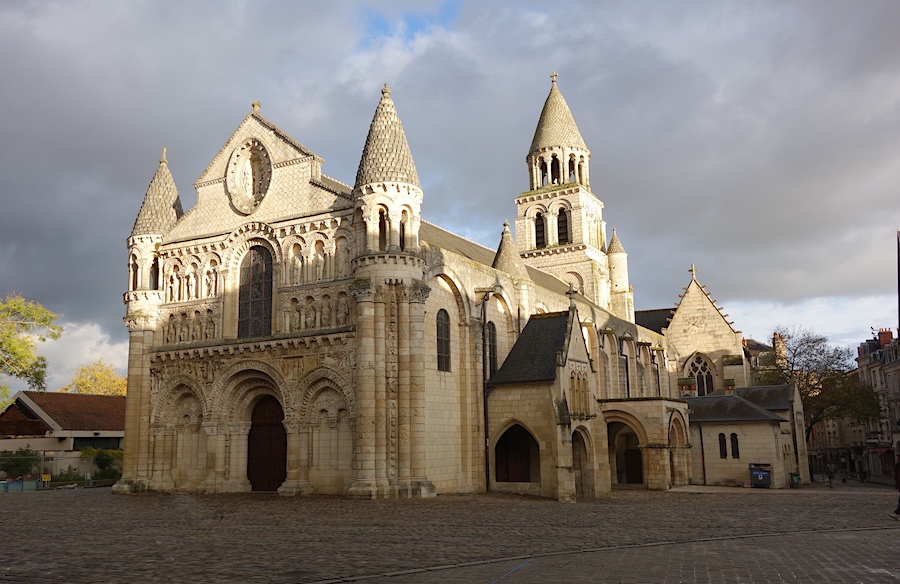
{"x":625,"y":454}
{"x":267,"y":446}
{"x":582,"y":467}
{"x":517,"y":457}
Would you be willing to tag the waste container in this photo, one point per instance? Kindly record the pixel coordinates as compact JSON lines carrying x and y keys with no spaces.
{"x":795,"y":480}
{"x":760,"y":475}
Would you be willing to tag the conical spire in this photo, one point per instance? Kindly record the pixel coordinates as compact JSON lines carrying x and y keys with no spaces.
{"x":556,"y":126}
{"x":508,"y":258}
{"x":615,"y":246}
{"x":161,"y":207}
{"x":386,"y":156}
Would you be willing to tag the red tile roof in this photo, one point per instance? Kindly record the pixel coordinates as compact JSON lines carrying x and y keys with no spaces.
{"x":82,"y":412}
{"x":14,"y":423}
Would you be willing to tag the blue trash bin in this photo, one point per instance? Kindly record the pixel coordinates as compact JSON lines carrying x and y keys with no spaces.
{"x":760,"y":475}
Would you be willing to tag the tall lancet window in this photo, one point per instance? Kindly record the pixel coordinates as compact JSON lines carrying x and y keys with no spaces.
{"x":700,"y":369}
{"x":491,"y":348}
{"x":255,"y":294}
{"x":443,"y":340}
{"x":382,"y":231}
{"x":154,"y":275}
{"x":573,"y":176}
{"x":562,"y":227}
{"x":540,"y":236}
{"x":555,"y":170}
{"x":544,"y":176}
{"x":404,"y":221}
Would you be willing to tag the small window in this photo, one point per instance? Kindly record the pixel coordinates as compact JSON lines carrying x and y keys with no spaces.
{"x":723,"y":447}
{"x":382,"y":231}
{"x":491,"y":348}
{"x":735,"y":449}
{"x":443,"y":340}
{"x":702,"y":372}
{"x":562,"y":227}
{"x":540,"y":238}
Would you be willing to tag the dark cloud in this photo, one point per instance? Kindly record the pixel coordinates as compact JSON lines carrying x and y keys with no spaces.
{"x":757,"y":140}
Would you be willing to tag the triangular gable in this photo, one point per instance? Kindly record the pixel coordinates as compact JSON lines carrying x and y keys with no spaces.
{"x":698,"y":325}
{"x":280,"y":145}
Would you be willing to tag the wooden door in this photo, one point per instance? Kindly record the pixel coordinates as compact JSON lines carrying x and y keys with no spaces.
{"x":267,"y":446}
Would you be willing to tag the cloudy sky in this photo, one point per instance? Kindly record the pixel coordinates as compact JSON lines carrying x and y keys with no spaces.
{"x":757,"y":140}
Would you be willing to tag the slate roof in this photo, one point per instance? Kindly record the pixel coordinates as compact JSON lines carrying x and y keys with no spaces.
{"x":82,"y":412}
{"x":533,"y":357}
{"x":655,"y":320}
{"x":386,"y":156}
{"x":727,"y":408}
{"x":556,"y":126}
{"x":770,"y":397}
{"x":161,"y":208}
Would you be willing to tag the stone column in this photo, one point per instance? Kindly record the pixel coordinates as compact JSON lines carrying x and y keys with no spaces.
{"x":135,"y":462}
{"x":363,"y":485}
{"x":381,"y":410}
{"x":422,"y":486}
{"x":403,"y":429}
{"x":238,"y":433}
{"x":297,"y":482}
{"x":215,"y":458}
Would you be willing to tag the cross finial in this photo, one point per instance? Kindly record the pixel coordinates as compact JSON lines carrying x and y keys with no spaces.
{"x":553,"y":77}
{"x":255,"y":106}
{"x":693,"y":272}
{"x":163,"y":159}
{"x":385,"y":90}
{"x":571,"y":294}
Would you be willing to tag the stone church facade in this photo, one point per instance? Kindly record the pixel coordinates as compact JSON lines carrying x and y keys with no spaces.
{"x":294,"y":333}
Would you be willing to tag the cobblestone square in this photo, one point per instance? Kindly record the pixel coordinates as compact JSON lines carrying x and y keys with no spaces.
{"x":812,"y":534}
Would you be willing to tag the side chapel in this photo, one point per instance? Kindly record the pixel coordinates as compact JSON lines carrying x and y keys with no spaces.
{"x":293,"y":333}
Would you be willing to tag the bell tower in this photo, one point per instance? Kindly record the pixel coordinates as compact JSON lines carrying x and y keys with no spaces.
{"x":560,"y":227}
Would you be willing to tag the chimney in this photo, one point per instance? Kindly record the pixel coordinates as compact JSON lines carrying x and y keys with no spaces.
{"x":884,"y":336}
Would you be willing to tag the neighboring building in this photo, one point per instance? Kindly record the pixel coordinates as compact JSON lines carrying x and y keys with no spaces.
{"x":737,"y":427}
{"x":61,"y":425}
{"x":878,"y":360}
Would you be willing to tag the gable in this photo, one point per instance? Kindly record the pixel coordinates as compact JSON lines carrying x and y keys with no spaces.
{"x":697,"y":324}
{"x":286,"y":183}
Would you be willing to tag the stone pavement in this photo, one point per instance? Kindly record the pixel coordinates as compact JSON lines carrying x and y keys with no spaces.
{"x":693,"y":534}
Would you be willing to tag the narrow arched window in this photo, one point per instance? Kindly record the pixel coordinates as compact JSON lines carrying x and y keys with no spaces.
{"x":723,"y":447}
{"x":443,"y":340}
{"x":735,"y":449}
{"x":555,"y":170}
{"x":491,"y":348}
{"x":255,"y":294}
{"x":562,"y":227}
{"x":382,"y":230}
{"x":403,"y":221}
{"x":540,"y":237}
{"x":135,"y":273}
{"x":544,"y":178}
{"x":154,"y":274}
{"x":573,"y":177}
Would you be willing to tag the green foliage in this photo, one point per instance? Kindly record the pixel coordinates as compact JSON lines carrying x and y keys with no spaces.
{"x":68,"y":476}
{"x":102,"y":459}
{"x":98,"y":378}
{"x":22,"y":325}
{"x":824,"y":375}
{"x":18,"y":463}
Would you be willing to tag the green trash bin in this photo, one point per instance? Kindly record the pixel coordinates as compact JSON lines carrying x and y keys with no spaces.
{"x":795,"y":480}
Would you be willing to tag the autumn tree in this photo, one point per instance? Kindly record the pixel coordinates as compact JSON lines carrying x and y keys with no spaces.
{"x":98,"y":378}
{"x":23,"y":324}
{"x":825,"y":376}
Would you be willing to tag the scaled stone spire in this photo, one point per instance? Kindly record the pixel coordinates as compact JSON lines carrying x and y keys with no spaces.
{"x":615,"y":246}
{"x":508,"y":259}
{"x":161,"y":208}
{"x":556,"y":126}
{"x":386,"y":156}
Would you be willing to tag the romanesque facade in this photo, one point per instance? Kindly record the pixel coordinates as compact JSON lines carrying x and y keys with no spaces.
{"x":291,"y":332}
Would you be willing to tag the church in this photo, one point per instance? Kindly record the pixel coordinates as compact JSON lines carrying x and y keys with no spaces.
{"x":293,"y":333}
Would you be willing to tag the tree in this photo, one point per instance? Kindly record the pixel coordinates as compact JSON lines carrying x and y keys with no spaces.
{"x":98,"y":378}
{"x":18,"y":463}
{"x":825,"y":376}
{"x":23,"y":324}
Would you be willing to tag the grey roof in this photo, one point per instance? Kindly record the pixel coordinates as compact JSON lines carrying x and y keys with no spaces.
{"x":556,"y":126}
{"x":615,"y":246}
{"x":533,"y":357}
{"x":655,"y":320}
{"x":727,"y":408}
{"x":161,"y":208}
{"x":386,"y":156}
{"x":508,"y":258}
{"x":770,"y":397}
